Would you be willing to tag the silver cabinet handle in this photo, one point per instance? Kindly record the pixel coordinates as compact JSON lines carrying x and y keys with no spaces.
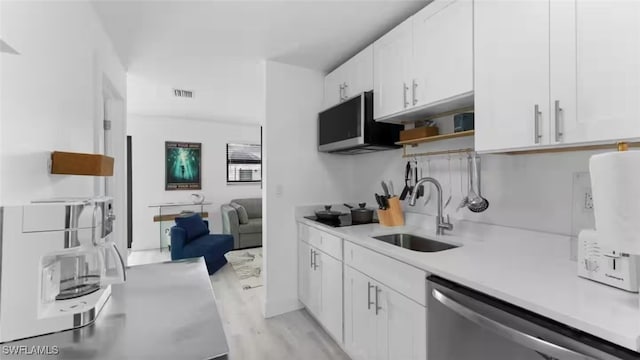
{"x":558,"y":111}
{"x":315,"y":261}
{"x":341,"y":92}
{"x":344,"y":89}
{"x":311,"y":257}
{"x":414,"y":85}
{"x":369,"y":302}
{"x":536,"y":119}
{"x":530,"y":341}
{"x":404,"y":94}
{"x":378,"y":308}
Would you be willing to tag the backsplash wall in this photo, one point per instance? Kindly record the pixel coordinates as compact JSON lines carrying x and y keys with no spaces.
{"x":532,"y":191}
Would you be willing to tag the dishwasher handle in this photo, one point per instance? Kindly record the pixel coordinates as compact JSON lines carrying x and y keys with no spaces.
{"x":534,"y":343}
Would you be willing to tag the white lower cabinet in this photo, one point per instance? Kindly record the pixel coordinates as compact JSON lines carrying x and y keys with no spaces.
{"x":380,"y":323}
{"x":371,"y":304}
{"x":359,"y":322}
{"x":330,"y":271}
{"x":309,"y":279}
{"x":320,"y":286}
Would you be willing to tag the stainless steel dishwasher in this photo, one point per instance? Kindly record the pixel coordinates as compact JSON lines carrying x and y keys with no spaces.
{"x":464,"y":324}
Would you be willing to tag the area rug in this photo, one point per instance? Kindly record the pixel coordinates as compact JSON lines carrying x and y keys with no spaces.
{"x":247,"y":263}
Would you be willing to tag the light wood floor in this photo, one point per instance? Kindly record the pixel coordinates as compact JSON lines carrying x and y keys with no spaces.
{"x":295,"y":335}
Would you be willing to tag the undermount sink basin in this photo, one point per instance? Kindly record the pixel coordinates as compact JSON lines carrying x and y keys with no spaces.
{"x":415,"y":243}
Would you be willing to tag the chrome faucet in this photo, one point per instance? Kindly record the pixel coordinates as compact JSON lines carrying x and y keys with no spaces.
{"x":441,"y":223}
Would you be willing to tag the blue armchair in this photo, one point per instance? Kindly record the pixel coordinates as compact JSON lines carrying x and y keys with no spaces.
{"x":190,"y":238}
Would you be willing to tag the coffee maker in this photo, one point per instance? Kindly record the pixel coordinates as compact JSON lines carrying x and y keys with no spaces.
{"x":58,"y":261}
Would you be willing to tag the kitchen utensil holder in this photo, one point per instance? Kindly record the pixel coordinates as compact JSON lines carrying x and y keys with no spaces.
{"x":393,"y":216}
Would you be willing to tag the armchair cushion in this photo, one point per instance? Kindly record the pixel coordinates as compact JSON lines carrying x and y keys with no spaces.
{"x":252,"y":205}
{"x":254,"y":226}
{"x":193,"y":226}
{"x":243,"y":217}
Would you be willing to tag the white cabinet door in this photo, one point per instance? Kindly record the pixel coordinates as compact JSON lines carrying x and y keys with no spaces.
{"x":392,"y":71}
{"x":315,"y":285}
{"x":381,"y":311}
{"x":359,"y":317}
{"x":304,"y":272}
{"x":442,"y":51}
{"x":349,"y":79}
{"x":405,"y":324}
{"x":331,"y":295}
{"x":511,"y":55}
{"x":333,"y":83}
{"x":607,"y":73}
{"x":359,"y":73}
{"x":562,"y":77}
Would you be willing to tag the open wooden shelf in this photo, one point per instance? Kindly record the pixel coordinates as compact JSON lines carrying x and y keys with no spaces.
{"x":171,"y":217}
{"x":68,"y":163}
{"x":571,"y":148}
{"x":437,"y":138}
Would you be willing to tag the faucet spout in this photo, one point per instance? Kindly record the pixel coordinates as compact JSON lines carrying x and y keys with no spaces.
{"x":441,"y":223}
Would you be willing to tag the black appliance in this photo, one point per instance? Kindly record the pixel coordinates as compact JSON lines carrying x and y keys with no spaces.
{"x":344,"y":220}
{"x":349,"y":128}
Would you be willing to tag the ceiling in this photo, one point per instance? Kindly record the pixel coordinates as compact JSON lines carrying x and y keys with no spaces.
{"x":318,"y":34}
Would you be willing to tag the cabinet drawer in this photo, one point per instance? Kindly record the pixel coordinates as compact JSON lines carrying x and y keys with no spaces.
{"x":403,"y":278}
{"x":325,"y":242}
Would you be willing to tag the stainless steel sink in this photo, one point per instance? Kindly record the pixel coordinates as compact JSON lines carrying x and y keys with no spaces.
{"x":415,"y":243}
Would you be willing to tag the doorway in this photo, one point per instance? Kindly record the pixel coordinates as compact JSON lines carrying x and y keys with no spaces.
{"x":110,"y":140}
{"x":129,"y":193}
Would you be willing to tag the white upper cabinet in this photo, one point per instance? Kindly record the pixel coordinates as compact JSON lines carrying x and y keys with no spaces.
{"x":511,"y":55}
{"x":424,"y":66}
{"x":392,"y":55}
{"x":442,"y":51}
{"x":349,"y":79}
{"x":595,"y":67}
{"x":333,"y":88}
{"x":359,"y":73}
{"x":576,"y":62}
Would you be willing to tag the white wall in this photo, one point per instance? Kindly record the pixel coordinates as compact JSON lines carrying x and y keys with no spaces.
{"x":225,"y":88}
{"x":52,"y":99}
{"x":535,"y":191}
{"x":149,"y":134}
{"x":295,"y":174}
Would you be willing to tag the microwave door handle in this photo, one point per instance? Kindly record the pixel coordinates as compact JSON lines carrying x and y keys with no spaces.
{"x":516,"y":336}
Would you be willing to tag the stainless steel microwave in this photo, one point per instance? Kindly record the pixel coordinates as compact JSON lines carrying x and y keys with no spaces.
{"x":349,"y":128}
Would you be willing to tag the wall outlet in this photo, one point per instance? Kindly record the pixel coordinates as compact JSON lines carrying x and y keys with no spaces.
{"x":588,"y":200}
{"x":582,"y":204}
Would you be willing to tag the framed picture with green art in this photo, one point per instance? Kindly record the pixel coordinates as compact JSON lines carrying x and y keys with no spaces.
{"x":183,"y":165}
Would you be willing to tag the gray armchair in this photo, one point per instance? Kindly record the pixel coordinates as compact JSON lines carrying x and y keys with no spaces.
{"x":247,"y":233}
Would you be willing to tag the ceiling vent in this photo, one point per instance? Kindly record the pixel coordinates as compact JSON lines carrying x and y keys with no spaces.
{"x":183,"y":93}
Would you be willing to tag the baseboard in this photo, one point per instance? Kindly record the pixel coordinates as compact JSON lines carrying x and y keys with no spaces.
{"x":275,"y":308}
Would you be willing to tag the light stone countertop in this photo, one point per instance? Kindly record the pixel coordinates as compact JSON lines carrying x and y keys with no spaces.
{"x":163,"y":311}
{"x":525,"y":268}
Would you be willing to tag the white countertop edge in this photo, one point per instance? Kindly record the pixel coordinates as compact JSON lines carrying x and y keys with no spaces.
{"x":627,"y":340}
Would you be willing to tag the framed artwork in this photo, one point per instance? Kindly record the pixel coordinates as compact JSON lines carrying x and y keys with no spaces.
{"x":183,"y":165}
{"x":244,"y":163}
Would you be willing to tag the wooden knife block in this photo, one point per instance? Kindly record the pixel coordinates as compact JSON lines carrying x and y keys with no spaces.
{"x":393,"y":216}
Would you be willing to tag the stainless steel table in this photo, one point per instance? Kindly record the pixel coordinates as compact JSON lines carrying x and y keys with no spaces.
{"x":163,"y":311}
